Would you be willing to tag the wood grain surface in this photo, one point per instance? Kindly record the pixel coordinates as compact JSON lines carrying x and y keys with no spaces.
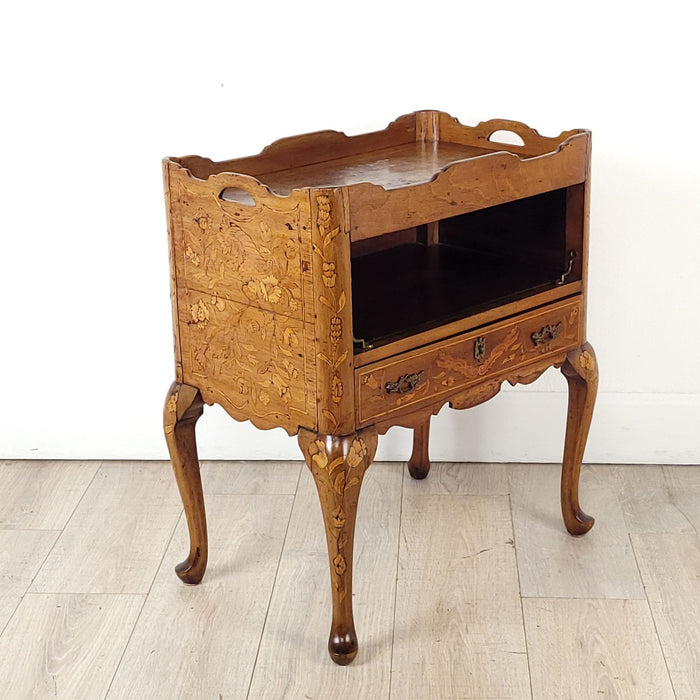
{"x":65,"y":646}
{"x":554,"y":564}
{"x":670,"y":567}
{"x":22,"y":552}
{"x":115,"y":538}
{"x":458,"y":630}
{"x":41,"y":495}
{"x":201,"y":641}
{"x":594,"y":648}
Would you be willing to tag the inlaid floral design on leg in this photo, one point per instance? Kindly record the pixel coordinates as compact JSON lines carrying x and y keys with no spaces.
{"x":338,"y":465}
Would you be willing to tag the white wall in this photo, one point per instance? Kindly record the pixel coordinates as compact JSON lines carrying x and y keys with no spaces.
{"x":94,"y":95}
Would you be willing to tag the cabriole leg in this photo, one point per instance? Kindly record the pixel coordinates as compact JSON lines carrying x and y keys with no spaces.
{"x":581,"y":372}
{"x":338,"y":465}
{"x":419,"y":464}
{"x":183,"y":407}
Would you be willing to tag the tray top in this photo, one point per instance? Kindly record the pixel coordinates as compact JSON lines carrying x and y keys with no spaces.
{"x":397,"y":166}
{"x":412,"y":150}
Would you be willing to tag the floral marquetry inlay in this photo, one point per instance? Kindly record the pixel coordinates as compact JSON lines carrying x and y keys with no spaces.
{"x":250,"y":254}
{"x":253,"y":362}
{"x":334,"y":345}
{"x":338,"y":466}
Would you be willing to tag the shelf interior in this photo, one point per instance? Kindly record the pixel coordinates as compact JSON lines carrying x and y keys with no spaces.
{"x":412,"y":288}
{"x":410,"y":281}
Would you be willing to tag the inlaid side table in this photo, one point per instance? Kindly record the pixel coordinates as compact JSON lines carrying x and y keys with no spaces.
{"x":336,"y":286}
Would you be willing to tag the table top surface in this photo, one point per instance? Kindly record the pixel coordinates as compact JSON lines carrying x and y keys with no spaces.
{"x":394,"y":167}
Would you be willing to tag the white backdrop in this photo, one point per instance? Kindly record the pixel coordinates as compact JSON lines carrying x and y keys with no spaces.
{"x":94,"y":95}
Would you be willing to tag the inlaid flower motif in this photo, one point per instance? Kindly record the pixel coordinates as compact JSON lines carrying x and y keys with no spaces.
{"x":201,"y":356}
{"x":317,"y":452}
{"x":192,"y":256}
{"x":266,"y":289}
{"x":357,"y":452}
{"x":172,"y":403}
{"x":199,"y":313}
{"x":370,"y":380}
{"x":231,"y":245}
{"x":336,"y":328}
{"x":202,"y":219}
{"x":291,"y":370}
{"x":329,"y":274}
{"x":339,"y":565}
{"x":323,"y":202}
{"x":338,"y":518}
{"x":290,"y":338}
{"x":264,"y":398}
{"x":291,"y":249}
{"x":243,"y":386}
{"x":336,"y":389}
{"x":217,"y":302}
{"x":253,"y":326}
{"x":587,"y":362}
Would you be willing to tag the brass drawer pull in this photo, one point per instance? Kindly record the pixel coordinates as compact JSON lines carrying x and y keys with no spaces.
{"x":480,"y":349}
{"x":546,"y":334}
{"x":404,"y":384}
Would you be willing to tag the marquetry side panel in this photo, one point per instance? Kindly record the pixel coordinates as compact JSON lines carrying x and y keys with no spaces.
{"x":252,"y":254}
{"x":243,"y":298}
{"x":333,"y":300}
{"x":258,"y":365}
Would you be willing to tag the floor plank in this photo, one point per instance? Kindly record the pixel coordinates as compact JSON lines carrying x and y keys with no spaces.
{"x":116,"y":538}
{"x":552,"y":563}
{"x":250,"y":478}
{"x":670,"y":566}
{"x":65,"y":646}
{"x":21,"y":554}
{"x":201,"y":641}
{"x":41,"y":495}
{"x":460,"y":478}
{"x":594,"y":648}
{"x":650,"y":500}
{"x":684,"y":484}
{"x":293,"y":661}
{"x":459,"y":628}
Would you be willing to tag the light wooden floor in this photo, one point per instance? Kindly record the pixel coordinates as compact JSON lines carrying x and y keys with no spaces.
{"x":466,"y":585}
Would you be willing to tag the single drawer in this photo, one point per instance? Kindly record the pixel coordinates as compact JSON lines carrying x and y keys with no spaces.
{"x":443,"y":368}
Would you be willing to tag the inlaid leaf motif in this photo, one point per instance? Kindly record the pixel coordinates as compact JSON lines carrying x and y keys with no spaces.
{"x":339,"y":483}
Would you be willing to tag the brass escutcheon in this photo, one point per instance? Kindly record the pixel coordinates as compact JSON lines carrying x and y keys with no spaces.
{"x":480,"y":349}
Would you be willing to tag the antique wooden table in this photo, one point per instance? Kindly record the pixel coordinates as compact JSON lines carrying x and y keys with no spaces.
{"x":336,"y":286}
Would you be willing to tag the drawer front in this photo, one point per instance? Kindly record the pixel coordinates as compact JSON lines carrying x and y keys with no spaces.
{"x":409,"y":379}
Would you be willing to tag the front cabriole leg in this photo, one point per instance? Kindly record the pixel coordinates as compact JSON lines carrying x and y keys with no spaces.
{"x":338,"y":465}
{"x":183,"y":407}
{"x":581,"y":372}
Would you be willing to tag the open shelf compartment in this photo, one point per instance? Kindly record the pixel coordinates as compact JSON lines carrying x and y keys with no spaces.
{"x":414,"y":280}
